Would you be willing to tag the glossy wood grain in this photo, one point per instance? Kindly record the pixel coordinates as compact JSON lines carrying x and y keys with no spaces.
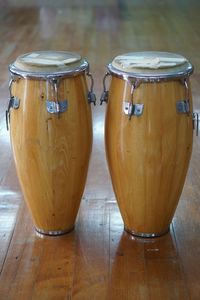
{"x":54,"y":151}
{"x":98,"y":260}
{"x":148,"y":156}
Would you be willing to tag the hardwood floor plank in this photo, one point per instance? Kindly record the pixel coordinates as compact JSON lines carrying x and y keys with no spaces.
{"x":55,"y":275}
{"x":128,"y":276}
{"x":164,"y":269}
{"x":37,"y":267}
{"x":7,"y":224}
{"x":14,"y":255}
{"x":10,"y":201}
{"x":165,"y":280}
{"x":187,"y":227}
{"x":92,"y":251}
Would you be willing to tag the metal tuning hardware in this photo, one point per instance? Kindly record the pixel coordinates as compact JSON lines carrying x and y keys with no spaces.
{"x":133,"y":109}
{"x":183,"y":106}
{"x":91,"y":95}
{"x":14,"y":102}
{"x":56,"y":107}
{"x":130,"y":108}
{"x":105,"y":93}
{"x":195,"y":120}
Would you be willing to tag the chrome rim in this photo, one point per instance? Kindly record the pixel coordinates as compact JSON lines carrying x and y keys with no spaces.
{"x":45,"y":76}
{"x":149,"y":77}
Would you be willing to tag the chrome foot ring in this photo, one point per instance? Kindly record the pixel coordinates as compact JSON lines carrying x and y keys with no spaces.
{"x":146,"y":235}
{"x":54,"y":232}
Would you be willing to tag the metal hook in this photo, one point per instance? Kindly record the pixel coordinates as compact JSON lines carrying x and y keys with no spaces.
{"x":55,"y":85}
{"x":13,"y":101}
{"x":54,"y":106}
{"x":183,"y":106}
{"x":187,"y":94}
{"x":105,"y":93}
{"x":133,"y":109}
{"x":91,"y":94}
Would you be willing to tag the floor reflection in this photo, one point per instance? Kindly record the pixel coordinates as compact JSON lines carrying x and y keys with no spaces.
{"x":127,"y":269}
{"x":133,"y":260}
{"x":9,"y":193}
{"x":47,"y":19}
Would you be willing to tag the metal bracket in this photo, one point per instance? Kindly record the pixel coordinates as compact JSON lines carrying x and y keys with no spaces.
{"x":183,"y":106}
{"x":105,"y":93}
{"x":56,"y":107}
{"x":135,"y":109}
{"x":91,"y":97}
{"x":13,"y":103}
{"x":104,"y":97}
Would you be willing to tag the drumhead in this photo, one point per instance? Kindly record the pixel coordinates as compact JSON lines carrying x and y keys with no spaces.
{"x":150,"y":65}
{"x":48,"y":63}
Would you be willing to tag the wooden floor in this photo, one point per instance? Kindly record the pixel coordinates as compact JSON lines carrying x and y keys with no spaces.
{"x":98,"y":260}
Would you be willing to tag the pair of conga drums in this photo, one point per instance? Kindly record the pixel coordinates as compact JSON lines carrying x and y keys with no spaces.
{"x":148,"y":136}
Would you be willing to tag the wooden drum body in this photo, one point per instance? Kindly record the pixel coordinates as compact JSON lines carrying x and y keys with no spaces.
{"x":148,"y":138}
{"x":51,"y":135}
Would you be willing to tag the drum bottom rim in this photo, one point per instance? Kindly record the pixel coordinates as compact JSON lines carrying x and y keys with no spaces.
{"x":54,"y":232}
{"x":146,"y":235}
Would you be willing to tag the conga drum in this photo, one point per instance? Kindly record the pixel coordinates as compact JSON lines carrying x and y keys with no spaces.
{"x":148,"y":136}
{"x":51,"y":134}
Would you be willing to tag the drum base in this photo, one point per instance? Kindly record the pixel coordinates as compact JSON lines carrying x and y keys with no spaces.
{"x":146,"y":235}
{"x":54,"y":232}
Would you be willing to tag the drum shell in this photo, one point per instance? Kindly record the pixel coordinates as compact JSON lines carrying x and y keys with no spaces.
{"x":52,"y":152}
{"x":148,"y":156}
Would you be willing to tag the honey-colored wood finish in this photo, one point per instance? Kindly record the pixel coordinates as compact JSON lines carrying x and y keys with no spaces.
{"x":52,"y":152}
{"x":148,"y":156}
